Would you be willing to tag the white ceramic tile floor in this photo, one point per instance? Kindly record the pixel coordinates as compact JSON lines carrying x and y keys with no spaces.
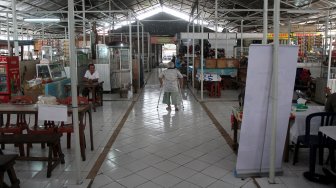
{"x":201,"y":180}
{"x":156,"y":148}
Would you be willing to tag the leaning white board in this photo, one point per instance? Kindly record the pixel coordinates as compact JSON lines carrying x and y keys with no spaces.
{"x":253,"y":152}
{"x":52,"y":112}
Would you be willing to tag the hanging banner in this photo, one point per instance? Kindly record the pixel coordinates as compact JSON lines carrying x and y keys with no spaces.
{"x":162,"y":40}
{"x":301,"y":34}
{"x":281,"y":35}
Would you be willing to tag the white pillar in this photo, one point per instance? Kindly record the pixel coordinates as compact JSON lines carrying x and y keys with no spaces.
{"x":329,"y":64}
{"x":202,"y":59}
{"x":265,"y":23}
{"x":15,"y":34}
{"x":73,"y":73}
{"x":21,"y":34}
{"x":104,"y":27}
{"x":193,"y":55}
{"x":274,"y":90}
{"x":84,"y":29}
{"x":130,"y":48}
{"x":326,"y":34}
{"x":42,"y":32}
{"x":138,"y":53}
{"x":149,"y":52}
{"x":143,"y":48}
{"x":289,"y":31}
{"x":241,"y":38}
{"x":8,"y":37}
{"x":65,"y":33}
{"x":216,"y":25}
{"x":28,"y":38}
{"x":227,"y":43}
{"x":188,"y":54}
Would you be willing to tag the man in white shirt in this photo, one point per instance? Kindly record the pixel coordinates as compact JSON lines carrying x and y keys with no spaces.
{"x":90,"y":76}
{"x":169,"y":79}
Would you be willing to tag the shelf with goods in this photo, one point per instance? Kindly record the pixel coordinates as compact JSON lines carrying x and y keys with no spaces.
{"x":310,"y":44}
{"x":60,"y":47}
{"x":64,"y":49}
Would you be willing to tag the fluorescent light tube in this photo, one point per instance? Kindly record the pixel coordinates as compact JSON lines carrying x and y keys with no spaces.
{"x":303,"y":11}
{"x":41,"y":20}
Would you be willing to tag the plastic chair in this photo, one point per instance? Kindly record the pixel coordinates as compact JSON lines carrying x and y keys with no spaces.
{"x":314,"y":141}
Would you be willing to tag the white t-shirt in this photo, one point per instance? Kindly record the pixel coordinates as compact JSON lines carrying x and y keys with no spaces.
{"x":170,"y":79}
{"x":90,"y":76}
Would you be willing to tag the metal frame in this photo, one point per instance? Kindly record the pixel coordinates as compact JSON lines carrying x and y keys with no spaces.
{"x":239,"y":9}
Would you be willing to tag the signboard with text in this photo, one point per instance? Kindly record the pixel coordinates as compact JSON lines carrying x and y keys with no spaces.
{"x":162,"y":40}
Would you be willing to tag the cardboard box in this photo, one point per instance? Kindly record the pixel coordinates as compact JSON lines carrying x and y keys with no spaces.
{"x":34,"y":91}
{"x":221,"y":63}
{"x":211,"y":63}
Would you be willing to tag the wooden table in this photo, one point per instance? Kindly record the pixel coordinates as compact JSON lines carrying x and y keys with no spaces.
{"x":330,"y":132}
{"x":92,"y":87}
{"x":55,"y":154}
{"x":33,"y":109}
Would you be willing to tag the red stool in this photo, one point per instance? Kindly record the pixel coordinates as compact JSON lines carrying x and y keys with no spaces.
{"x":215,"y":89}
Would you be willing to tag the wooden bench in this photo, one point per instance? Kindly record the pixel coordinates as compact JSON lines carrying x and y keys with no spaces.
{"x":7,"y":165}
{"x":55,"y":155}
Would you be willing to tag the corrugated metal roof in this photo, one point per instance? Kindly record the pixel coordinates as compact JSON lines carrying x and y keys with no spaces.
{"x":185,"y":6}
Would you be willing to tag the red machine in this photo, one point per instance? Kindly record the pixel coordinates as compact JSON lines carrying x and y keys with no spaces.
{"x":9,"y":77}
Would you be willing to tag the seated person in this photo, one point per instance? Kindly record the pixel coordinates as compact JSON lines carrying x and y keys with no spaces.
{"x":90,"y":76}
{"x":330,"y":105}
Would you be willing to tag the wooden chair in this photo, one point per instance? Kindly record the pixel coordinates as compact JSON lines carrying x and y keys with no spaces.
{"x":48,"y":127}
{"x":68,"y":128}
{"x":21,"y":123}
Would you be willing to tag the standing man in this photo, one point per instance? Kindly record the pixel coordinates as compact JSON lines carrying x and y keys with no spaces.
{"x":169,"y":79}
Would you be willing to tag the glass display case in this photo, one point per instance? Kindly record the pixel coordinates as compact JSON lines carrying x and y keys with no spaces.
{"x":120,"y":68}
{"x":102,"y":54}
{"x":54,"y":71}
{"x":50,"y":53}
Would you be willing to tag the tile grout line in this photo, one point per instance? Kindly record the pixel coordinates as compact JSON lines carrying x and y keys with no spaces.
{"x":223,"y":132}
{"x":94,"y":171}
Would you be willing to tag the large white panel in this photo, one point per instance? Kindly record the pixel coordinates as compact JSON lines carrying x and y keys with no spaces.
{"x":254,"y":145}
{"x":255,"y":109}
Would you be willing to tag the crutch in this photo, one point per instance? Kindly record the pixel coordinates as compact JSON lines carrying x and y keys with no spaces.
{"x":178,"y":82}
{"x":161,"y":88}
